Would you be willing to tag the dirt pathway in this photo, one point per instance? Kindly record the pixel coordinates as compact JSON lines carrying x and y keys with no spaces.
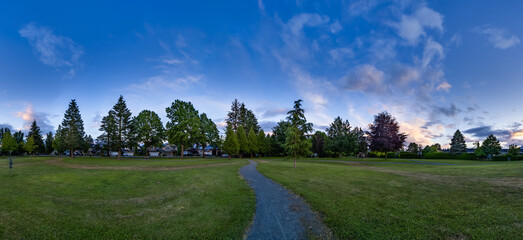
{"x":279,"y":213}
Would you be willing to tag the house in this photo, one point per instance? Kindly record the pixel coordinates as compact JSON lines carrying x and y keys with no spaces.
{"x":169,"y":150}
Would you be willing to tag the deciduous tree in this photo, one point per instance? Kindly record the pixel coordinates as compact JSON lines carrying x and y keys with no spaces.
{"x":148,"y":129}
{"x":209,"y":133}
{"x":9,"y":145}
{"x":183,"y":125}
{"x":30,"y":145}
{"x":384,"y":134}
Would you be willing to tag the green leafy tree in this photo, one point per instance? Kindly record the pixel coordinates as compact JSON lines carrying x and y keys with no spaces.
{"x":148,"y":129}
{"x":341,"y":140}
{"x":36,"y":134}
{"x":242,"y":139}
{"x":262,"y":143}
{"x":49,"y":143}
{"x":19,"y":138}
{"x":491,"y":146}
{"x":9,"y":145}
{"x":30,"y":145}
{"x":320,"y":143}
{"x":122,"y":116}
{"x":362,"y":143}
{"x":183,"y":127}
{"x":231,"y":146}
{"x":413,"y":147}
{"x":59,"y":141}
{"x":252,"y":141}
{"x":514,"y":150}
{"x":384,"y":135}
{"x":209,"y":133}
{"x":296,"y":143}
{"x":73,"y":128}
{"x":457,"y":144}
{"x":479,"y":151}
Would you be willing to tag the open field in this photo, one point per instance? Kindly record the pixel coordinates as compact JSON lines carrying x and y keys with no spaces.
{"x":406,"y":201}
{"x":100,"y":198}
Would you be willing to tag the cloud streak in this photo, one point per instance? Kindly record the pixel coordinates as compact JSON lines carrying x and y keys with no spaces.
{"x":500,"y":38}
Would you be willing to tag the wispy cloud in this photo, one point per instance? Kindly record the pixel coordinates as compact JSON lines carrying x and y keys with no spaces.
{"x":499,"y":37}
{"x":52,"y":50}
{"x":159,"y":83}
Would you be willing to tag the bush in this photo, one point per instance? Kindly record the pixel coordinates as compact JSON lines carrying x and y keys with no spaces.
{"x":501,"y":158}
{"x":438,"y":155}
{"x":467,"y":156}
{"x":393,"y":155}
{"x":409,"y":155}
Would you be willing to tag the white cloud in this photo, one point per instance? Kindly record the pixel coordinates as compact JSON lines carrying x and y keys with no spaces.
{"x":52,"y":49}
{"x":335,"y":27}
{"x":29,"y":115}
{"x":445,"y":86}
{"x":362,"y":6}
{"x":412,"y":27}
{"x":261,"y":6}
{"x":432,"y":49}
{"x":299,"y":21}
{"x":365,"y":78}
{"x":499,"y":37}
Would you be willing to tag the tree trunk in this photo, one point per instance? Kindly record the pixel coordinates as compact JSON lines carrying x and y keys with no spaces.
{"x":182,"y":151}
{"x":294,"y":162}
{"x":251,"y":155}
{"x":386,"y":156}
{"x":203,"y":150}
{"x":71,"y":153}
{"x":229,"y":156}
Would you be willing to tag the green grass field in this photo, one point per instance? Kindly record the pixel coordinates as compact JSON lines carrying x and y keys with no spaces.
{"x":83,"y":199}
{"x":407,"y":201}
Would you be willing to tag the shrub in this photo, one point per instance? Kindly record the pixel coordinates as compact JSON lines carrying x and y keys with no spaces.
{"x":438,"y":155}
{"x":500,"y":158}
{"x":409,"y":155}
{"x":392,"y":155}
{"x":467,"y":156}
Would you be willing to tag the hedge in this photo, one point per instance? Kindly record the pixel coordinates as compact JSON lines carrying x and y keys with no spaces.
{"x":467,"y":156}
{"x":409,"y":155}
{"x":438,"y":155}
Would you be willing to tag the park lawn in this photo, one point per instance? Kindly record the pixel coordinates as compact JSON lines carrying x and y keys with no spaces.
{"x":395,"y":201}
{"x":166,"y":162}
{"x":42,"y":201}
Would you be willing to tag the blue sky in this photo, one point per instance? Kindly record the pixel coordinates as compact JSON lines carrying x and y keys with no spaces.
{"x":436,"y":66}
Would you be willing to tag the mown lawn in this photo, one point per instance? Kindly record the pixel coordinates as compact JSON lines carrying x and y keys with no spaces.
{"x":42,"y":200}
{"x":407,"y":201}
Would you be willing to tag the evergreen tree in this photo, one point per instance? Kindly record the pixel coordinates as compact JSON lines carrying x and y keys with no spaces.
{"x":59,"y":141}
{"x":233,"y":116}
{"x":122,"y":116}
{"x":36,"y":134}
{"x":148,"y":129}
{"x":457,"y":144}
{"x":183,"y":127}
{"x":110,"y":131}
{"x":231,"y":146}
{"x":252,"y":141}
{"x":362,"y":143}
{"x":243,"y":141}
{"x":73,"y":128}
{"x":49,"y":143}
{"x":296,"y":143}
{"x":384,"y":135}
{"x":209,"y":133}
{"x":262,"y":143}
{"x":279,"y":137}
{"x":88,"y":143}
{"x":30,"y":145}
{"x":491,"y":146}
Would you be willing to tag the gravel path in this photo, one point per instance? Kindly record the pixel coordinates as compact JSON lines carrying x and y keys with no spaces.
{"x":279,"y":213}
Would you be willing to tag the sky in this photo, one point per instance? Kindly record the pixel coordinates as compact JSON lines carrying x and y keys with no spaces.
{"x":436,"y":66}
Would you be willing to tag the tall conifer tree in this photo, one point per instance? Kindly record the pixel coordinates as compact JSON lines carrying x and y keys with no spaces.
{"x":73,"y":128}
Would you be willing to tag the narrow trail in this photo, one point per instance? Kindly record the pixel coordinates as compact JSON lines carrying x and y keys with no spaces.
{"x":279,"y":213}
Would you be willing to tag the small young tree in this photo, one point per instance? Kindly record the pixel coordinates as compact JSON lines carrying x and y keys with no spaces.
{"x":30,"y":145}
{"x":9,"y":145}
{"x":59,"y":141}
{"x":296,"y":145}
{"x":231,"y":146}
{"x":457,"y":144}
